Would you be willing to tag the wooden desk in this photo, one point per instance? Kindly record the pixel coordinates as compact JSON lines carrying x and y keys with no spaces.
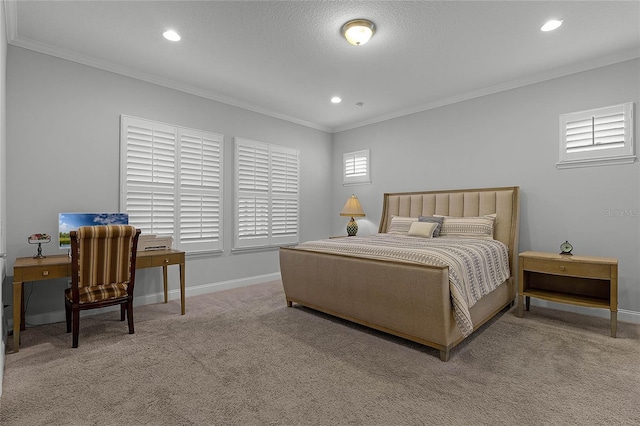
{"x":59,"y":266}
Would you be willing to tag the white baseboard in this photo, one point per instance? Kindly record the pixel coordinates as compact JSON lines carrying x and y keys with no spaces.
{"x":147,"y":299}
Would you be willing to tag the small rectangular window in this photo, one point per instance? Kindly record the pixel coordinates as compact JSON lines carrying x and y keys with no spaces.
{"x":597,"y":137}
{"x":356,"y":167}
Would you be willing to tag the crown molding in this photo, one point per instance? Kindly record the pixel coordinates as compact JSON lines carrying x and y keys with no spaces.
{"x":600,"y":62}
{"x":15,"y":40}
{"x":46,"y":49}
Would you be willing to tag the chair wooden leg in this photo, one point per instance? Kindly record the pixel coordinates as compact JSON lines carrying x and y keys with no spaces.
{"x":122,"y":311}
{"x":76,"y":327}
{"x":130,"y":315}
{"x":67,"y":310}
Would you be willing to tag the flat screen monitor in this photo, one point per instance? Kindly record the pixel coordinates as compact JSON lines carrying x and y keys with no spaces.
{"x":68,"y":222}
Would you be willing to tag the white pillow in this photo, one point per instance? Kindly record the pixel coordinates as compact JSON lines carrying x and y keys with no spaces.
{"x":422,"y":229}
{"x":400,"y":225}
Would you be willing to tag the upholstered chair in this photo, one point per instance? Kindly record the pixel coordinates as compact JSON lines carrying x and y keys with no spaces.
{"x":103,"y":260}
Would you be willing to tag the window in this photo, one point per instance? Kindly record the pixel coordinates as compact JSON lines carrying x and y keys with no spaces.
{"x":356,"y":167}
{"x":597,"y":137}
{"x":267,"y":183}
{"x":170,"y":182}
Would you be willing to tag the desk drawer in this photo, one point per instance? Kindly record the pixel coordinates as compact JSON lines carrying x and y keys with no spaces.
{"x":151,"y":259}
{"x":45,"y":272}
{"x":567,"y":268}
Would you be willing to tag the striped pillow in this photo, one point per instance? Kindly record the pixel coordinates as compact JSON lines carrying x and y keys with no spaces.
{"x":468,"y":227}
{"x":400,"y":225}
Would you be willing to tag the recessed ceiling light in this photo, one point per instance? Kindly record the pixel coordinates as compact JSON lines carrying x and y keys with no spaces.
{"x":551,"y":25}
{"x":336,"y":100}
{"x":171,"y":35}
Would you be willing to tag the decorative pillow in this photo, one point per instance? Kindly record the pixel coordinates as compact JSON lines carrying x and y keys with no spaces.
{"x":400,"y":225}
{"x":433,"y":219}
{"x":468,"y":227}
{"x":422,"y":229}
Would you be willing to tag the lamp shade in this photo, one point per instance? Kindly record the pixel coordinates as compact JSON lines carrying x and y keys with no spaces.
{"x":352,"y":208}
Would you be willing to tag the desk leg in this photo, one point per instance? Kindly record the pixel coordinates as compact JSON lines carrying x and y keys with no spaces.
{"x":182,"y":288}
{"x":17,"y":314}
{"x":166,"y":286}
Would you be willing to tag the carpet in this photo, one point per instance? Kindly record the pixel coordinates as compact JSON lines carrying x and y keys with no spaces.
{"x":241,"y":357}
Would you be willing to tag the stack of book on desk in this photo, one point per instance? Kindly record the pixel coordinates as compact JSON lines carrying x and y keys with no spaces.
{"x":154,"y":242}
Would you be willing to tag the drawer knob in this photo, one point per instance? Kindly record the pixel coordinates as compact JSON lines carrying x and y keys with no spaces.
{"x":562,"y":268}
{"x":166,"y":261}
{"x":45,"y":273}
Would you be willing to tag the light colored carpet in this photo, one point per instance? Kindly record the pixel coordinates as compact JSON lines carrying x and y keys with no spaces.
{"x":241,"y":357}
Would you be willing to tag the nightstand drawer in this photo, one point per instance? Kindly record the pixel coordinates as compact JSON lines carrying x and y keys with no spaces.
{"x":567,"y":268}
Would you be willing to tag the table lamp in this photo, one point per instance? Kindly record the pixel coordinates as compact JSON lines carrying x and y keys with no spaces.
{"x":352,"y":208}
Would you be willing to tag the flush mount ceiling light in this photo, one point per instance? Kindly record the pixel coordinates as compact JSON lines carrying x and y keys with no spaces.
{"x":551,"y":25}
{"x":358,"y":31}
{"x":336,"y":100}
{"x":171,"y":35}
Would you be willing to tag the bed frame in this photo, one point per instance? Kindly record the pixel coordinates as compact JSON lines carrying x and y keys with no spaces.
{"x":417,"y":305}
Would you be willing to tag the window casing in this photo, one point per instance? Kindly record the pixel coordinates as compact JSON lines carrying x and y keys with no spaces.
{"x":267,"y":194}
{"x":171,"y":182}
{"x":356,"y":167}
{"x":597,"y":137}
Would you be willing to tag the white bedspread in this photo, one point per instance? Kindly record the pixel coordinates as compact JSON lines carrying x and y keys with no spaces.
{"x":476,"y":266}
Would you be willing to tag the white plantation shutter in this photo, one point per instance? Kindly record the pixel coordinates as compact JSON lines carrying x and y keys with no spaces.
{"x":171,"y":182}
{"x":267,"y":181}
{"x":149,"y":175}
{"x":356,"y":167}
{"x":252,"y":181}
{"x":200,"y":166}
{"x":284,"y":199}
{"x":596,"y":137}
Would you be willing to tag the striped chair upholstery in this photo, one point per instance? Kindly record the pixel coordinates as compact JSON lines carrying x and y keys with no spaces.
{"x":103,"y":272}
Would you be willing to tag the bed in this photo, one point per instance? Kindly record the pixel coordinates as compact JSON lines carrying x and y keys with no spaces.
{"x":403,"y":295}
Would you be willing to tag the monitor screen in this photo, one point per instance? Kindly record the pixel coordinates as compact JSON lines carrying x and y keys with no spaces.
{"x":68,"y":222}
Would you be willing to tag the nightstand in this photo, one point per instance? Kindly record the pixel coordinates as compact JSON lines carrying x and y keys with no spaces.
{"x":578,"y":280}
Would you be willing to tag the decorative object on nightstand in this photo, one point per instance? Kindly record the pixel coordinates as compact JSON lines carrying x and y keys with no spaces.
{"x":565,"y":248}
{"x":353,"y":209}
{"x":39,"y":239}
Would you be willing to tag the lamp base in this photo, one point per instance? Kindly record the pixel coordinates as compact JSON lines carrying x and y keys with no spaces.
{"x":352,"y":228}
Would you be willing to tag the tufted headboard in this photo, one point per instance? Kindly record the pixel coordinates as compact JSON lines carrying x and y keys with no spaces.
{"x":505,"y":202}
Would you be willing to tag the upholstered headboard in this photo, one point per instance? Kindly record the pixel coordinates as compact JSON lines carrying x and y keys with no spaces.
{"x":505,"y":202}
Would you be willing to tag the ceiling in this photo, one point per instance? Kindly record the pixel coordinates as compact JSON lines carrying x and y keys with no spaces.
{"x":287,"y":58}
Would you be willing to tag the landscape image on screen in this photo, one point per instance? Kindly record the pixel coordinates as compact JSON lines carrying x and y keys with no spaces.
{"x":68,"y":222}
